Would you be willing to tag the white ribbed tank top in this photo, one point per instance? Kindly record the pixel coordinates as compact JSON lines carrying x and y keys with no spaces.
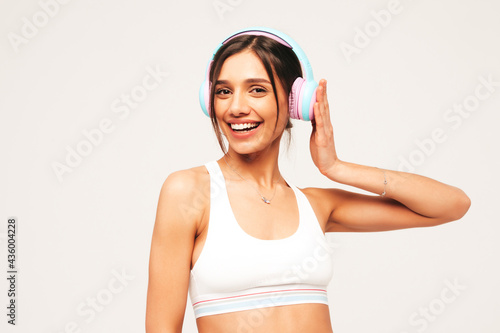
{"x":236,"y":271}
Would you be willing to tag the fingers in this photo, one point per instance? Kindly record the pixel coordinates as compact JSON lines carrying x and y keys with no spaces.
{"x":324,"y":101}
{"x":322,"y":126}
{"x":318,"y":109}
{"x":321,"y":108}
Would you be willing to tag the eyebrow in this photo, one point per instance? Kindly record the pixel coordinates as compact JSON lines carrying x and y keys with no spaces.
{"x":256,"y":80}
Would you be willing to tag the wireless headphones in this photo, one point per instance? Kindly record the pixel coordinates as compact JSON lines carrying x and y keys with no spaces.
{"x":303,"y":93}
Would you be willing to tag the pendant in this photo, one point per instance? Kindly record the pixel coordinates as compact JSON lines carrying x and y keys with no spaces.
{"x":265,"y":200}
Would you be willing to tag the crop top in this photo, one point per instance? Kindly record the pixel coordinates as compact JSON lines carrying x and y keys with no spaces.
{"x":236,"y":271}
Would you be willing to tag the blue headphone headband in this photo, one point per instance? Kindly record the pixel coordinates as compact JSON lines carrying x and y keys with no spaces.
{"x":303,"y":94}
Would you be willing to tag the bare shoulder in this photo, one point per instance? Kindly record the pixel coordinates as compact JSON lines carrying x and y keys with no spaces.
{"x":185,"y":183}
{"x":323,"y":201}
{"x":185,"y":196}
{"x":318,"y":195}
{"x":324,"y":198}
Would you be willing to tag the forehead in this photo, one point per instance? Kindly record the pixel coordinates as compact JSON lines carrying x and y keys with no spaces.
{"x":243,"y":65}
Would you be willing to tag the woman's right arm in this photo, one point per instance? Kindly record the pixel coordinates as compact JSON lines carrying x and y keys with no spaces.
{"x":171,"y":250}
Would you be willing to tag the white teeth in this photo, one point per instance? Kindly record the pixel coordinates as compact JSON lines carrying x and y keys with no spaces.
{"x":244,"y":126}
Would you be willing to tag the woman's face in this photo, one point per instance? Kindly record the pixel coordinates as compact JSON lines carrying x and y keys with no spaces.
{"x":245,"y":105}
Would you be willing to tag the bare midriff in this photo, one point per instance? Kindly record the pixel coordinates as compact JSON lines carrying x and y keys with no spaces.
{"x":298,"y":318}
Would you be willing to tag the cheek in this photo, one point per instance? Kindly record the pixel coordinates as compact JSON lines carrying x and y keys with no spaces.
{"x":217,"y":105}
{"x":284,"y":112}
{"x":219,"y":108}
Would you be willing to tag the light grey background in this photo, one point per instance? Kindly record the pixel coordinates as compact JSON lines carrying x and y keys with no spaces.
{"x":79,"y":231}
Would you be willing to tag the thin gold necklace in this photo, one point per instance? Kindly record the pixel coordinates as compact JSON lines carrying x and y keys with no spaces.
{"x":263,"y":198}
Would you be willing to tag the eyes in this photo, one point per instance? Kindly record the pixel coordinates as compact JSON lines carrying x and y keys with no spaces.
{"x":256,"y":91}
{"x":222,"y":92}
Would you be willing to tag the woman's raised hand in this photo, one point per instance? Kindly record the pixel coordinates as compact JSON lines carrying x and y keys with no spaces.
{"x":322,"y":145}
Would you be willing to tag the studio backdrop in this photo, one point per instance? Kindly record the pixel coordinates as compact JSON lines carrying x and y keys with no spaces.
{"x":99,"y":104}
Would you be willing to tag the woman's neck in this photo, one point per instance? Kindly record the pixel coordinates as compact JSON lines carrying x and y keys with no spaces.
{"x":259,"y":167}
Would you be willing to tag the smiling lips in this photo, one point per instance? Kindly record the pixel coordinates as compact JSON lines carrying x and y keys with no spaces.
{"x":244,"y":127}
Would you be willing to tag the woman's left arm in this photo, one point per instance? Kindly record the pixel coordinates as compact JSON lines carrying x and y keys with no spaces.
{"x":410,"y":200}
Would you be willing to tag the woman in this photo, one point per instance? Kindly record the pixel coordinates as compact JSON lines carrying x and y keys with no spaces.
{"x":248,"y":245}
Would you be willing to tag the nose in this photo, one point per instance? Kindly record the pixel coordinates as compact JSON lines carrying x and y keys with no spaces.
{"x":239,"y":104}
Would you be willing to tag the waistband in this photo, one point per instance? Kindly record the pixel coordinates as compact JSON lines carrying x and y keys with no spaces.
{"x":265,"y":297}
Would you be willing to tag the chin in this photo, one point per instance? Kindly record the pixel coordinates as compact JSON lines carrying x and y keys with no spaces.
{"x":249,"y":148}
{"x":245,"y":149}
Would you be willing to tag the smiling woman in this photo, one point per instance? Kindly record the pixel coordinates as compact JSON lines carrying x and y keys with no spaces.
{"x":234,"y":231}
{"x":277,"y":69}
{"x":243,"y":86}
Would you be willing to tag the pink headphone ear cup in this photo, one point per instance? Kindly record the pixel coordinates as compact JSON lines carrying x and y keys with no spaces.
{"x":204,"y":93}
{"x":310,"y":90}
{"x":295,"y":98}
{"x":207,"y":97}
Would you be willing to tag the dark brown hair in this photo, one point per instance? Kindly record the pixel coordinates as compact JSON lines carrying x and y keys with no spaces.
{"x":277,"y":59}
